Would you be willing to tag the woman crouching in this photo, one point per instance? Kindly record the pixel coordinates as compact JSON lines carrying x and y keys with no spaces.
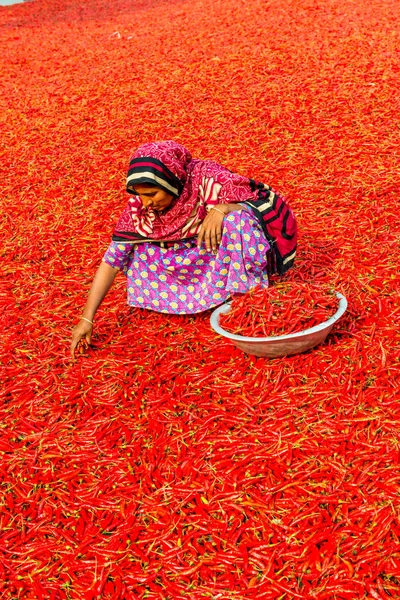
{"x":192,"y":234}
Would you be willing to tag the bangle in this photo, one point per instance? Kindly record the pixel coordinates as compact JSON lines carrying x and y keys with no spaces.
{"x":85,"y":319}
{"x":218,"y":210}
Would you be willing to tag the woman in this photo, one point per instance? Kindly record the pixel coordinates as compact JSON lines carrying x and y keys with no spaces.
{"x":192,"y":234}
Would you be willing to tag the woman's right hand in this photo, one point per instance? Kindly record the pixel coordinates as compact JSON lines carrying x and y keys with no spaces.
{"x":82,"y":331}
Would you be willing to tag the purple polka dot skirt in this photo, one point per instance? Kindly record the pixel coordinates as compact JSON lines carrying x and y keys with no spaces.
{"x":184,"y":279}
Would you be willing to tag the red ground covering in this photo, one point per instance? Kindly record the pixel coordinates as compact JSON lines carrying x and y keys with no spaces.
{"x":165,"y":463}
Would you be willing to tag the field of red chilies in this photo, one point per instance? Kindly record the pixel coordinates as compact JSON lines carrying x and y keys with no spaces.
{"x":164,"y":463}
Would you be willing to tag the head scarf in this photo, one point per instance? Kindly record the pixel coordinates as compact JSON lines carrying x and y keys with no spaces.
{"x":196,"y":185}
{"x":145,"y":168}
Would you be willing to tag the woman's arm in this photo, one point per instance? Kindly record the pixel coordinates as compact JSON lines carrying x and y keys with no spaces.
{"x":211,"y":229}
{"x":102,"y":282}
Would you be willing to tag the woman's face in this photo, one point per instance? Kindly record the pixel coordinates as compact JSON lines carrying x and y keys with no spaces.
{"x":154,"y":197}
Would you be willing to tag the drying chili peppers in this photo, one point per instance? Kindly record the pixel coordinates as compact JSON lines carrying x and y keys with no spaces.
{"x":165,"y":463}
{"x":279,"y":310}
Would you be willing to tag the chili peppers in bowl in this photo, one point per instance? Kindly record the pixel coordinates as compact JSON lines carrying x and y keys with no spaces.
{"x":287,"y":318}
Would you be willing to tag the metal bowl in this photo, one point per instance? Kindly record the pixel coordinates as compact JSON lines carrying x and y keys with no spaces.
{"x":282,"y":345}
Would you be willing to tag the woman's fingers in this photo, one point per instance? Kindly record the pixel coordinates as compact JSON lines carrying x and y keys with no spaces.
{"x":219,"y":234}
{"x":200,"y":237}
{"x":211,"y":231}
{"x":213,"y":239}
{"x":82,"y":331}
{"x":74,"y":343}
{"x":216,"y":236}
{"x":208,"y":239}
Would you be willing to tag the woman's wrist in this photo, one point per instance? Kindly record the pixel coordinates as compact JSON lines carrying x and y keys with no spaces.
{"x":88,"y":320}
{"x":89,"y":313}
{"x":220,"y":210}
{"x":228,"y":208}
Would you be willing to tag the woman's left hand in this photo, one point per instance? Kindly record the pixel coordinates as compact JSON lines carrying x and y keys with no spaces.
{"x":211,"y":229}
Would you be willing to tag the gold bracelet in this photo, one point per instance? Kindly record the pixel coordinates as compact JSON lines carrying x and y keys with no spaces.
{"x":85,"y":319}
{"x":218,"y":210}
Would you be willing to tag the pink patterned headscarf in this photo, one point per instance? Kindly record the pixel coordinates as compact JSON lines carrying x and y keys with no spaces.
{"x":196,"y":184}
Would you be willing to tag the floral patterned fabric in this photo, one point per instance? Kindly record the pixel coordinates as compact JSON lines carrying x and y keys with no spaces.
{"x":183,"y":279}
